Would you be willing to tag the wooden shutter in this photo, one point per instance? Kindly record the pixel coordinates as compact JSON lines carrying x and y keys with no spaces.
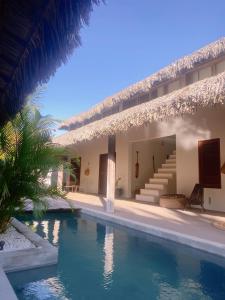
{"x":209,"y":163}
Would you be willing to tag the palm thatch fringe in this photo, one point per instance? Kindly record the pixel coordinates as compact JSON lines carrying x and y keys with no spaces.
{"x":37,"y":37}
{"x":171,"y":72}
{"x":187,"y":100}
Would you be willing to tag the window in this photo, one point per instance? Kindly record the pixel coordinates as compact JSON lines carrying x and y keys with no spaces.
{"x":189,"y":78}
{"x":160,"y":91}
{"x":129,"y":103}
{"x":192,"y":77}
{"x":209,"y":163}
{"x":205,"y":73}
{"x":175,"y":85}
{"x":143,"y":98}
{"x":220,"y":67}
{"x":154,"y":94}
{"x":165,"y":89}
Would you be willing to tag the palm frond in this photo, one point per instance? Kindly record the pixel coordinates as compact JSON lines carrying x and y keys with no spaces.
{"x":26,"y":156}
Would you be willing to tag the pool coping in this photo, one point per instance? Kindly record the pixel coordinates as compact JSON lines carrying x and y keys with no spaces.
{"x":43,"y":254}
{"x":168,"y":234}
{"x":54,"y":210}
{"x":6,"y":290}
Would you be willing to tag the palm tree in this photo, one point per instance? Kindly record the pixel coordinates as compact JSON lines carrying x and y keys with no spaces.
{"x":26,"y":156}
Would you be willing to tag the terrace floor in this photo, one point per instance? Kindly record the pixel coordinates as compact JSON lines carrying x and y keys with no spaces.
{"x":193,"y":223}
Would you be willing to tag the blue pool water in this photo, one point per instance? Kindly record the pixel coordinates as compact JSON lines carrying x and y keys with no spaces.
{"x":104,"y":261}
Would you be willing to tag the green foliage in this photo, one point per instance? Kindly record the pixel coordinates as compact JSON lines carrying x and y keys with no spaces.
{"x":26,"y":156}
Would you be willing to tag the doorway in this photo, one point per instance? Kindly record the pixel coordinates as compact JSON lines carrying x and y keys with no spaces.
{"x":76,"y":167}
{"x":209,"y":163}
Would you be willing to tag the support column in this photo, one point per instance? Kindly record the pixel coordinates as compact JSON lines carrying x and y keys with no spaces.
{"x":60,"y":178}
{"x":63,"y":176}
{"x":111,"y":174}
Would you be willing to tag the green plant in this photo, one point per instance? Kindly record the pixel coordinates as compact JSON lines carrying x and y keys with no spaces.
{"x":26,"y":156}
{"x":117,"y":182}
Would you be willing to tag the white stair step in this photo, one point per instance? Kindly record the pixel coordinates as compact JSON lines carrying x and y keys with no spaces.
{"x":158,"y":180}
{"x":171,"y":161}
{"x":151,"y":192}
{"x":156,"y":186}
{"x":147,"y":198}
{"x":166,"y":170}
{"x":171,"y":165}
{"x":163,"y":175}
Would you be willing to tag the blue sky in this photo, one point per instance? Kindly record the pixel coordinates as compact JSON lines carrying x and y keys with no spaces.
{"x":126,"y":41}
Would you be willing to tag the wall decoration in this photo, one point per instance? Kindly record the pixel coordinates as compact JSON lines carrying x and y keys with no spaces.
{"x":87,"y":170}
{"x":223,"y":169}
{"x":153,"y":163}
{"x":137,"y":166}
{"x":118,"y":190}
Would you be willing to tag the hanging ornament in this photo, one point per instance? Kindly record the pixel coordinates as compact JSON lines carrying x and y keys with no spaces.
{"x":223,"y":169}
{"x":137,"y":166}
{"x":87,"y":171}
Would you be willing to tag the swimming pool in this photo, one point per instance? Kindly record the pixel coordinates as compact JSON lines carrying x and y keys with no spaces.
{"x":99,"y":260}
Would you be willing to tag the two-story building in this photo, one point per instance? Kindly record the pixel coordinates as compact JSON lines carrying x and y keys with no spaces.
{"x":162,"y":134}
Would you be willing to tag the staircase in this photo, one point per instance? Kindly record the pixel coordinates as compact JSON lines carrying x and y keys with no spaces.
{"x":163,"y":182}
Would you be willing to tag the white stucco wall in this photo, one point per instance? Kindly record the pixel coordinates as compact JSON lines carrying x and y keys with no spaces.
{"x":205,"y":124}
{"x":89,"y":153}
{"x":145,"y":153}
{"x":123,"y":163}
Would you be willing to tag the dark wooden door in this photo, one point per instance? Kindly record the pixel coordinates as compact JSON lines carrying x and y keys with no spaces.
{"x":209,"y":163}
{"x":102,"y":179}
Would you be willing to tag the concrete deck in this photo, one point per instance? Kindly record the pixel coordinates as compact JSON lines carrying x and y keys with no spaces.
{"x":6,"y":290}
{"x":191,"y":227}
{"x":42,"y":254}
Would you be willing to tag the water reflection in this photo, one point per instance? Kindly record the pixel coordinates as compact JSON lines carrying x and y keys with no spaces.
{"x":45,"y":229}
{"x":100,"y":231}
{"x":212,"y":285}
{"x":50,"y":288}
{"x":48,"y":229}
{"x":108,"y":256}
{"x":99,"y":261}
{"x":56,"y":232}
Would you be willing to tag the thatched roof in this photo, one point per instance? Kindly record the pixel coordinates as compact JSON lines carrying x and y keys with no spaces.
{"x":186,"y":64}
{"x":36,"y":37}
{"x":204,"y":93}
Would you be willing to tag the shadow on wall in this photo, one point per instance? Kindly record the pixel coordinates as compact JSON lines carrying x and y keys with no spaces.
{"x":187,"y":132}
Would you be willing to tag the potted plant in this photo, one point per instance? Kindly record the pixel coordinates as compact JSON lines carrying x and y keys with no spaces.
{"x":119,"y":190}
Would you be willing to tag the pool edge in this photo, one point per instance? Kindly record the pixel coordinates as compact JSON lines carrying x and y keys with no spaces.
{"x":6,"y":290}
{"x":185,"y":239}
{"x":44,"y":254}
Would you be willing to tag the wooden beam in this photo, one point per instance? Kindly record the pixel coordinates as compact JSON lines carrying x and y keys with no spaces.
{"x":111,"y":174}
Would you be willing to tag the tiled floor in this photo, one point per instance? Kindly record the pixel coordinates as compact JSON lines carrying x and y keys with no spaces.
{"x":189,"y":222}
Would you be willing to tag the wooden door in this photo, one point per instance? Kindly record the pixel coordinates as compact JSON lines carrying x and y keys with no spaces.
{"x":209,"y":163}
{"x":102,"y":179}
